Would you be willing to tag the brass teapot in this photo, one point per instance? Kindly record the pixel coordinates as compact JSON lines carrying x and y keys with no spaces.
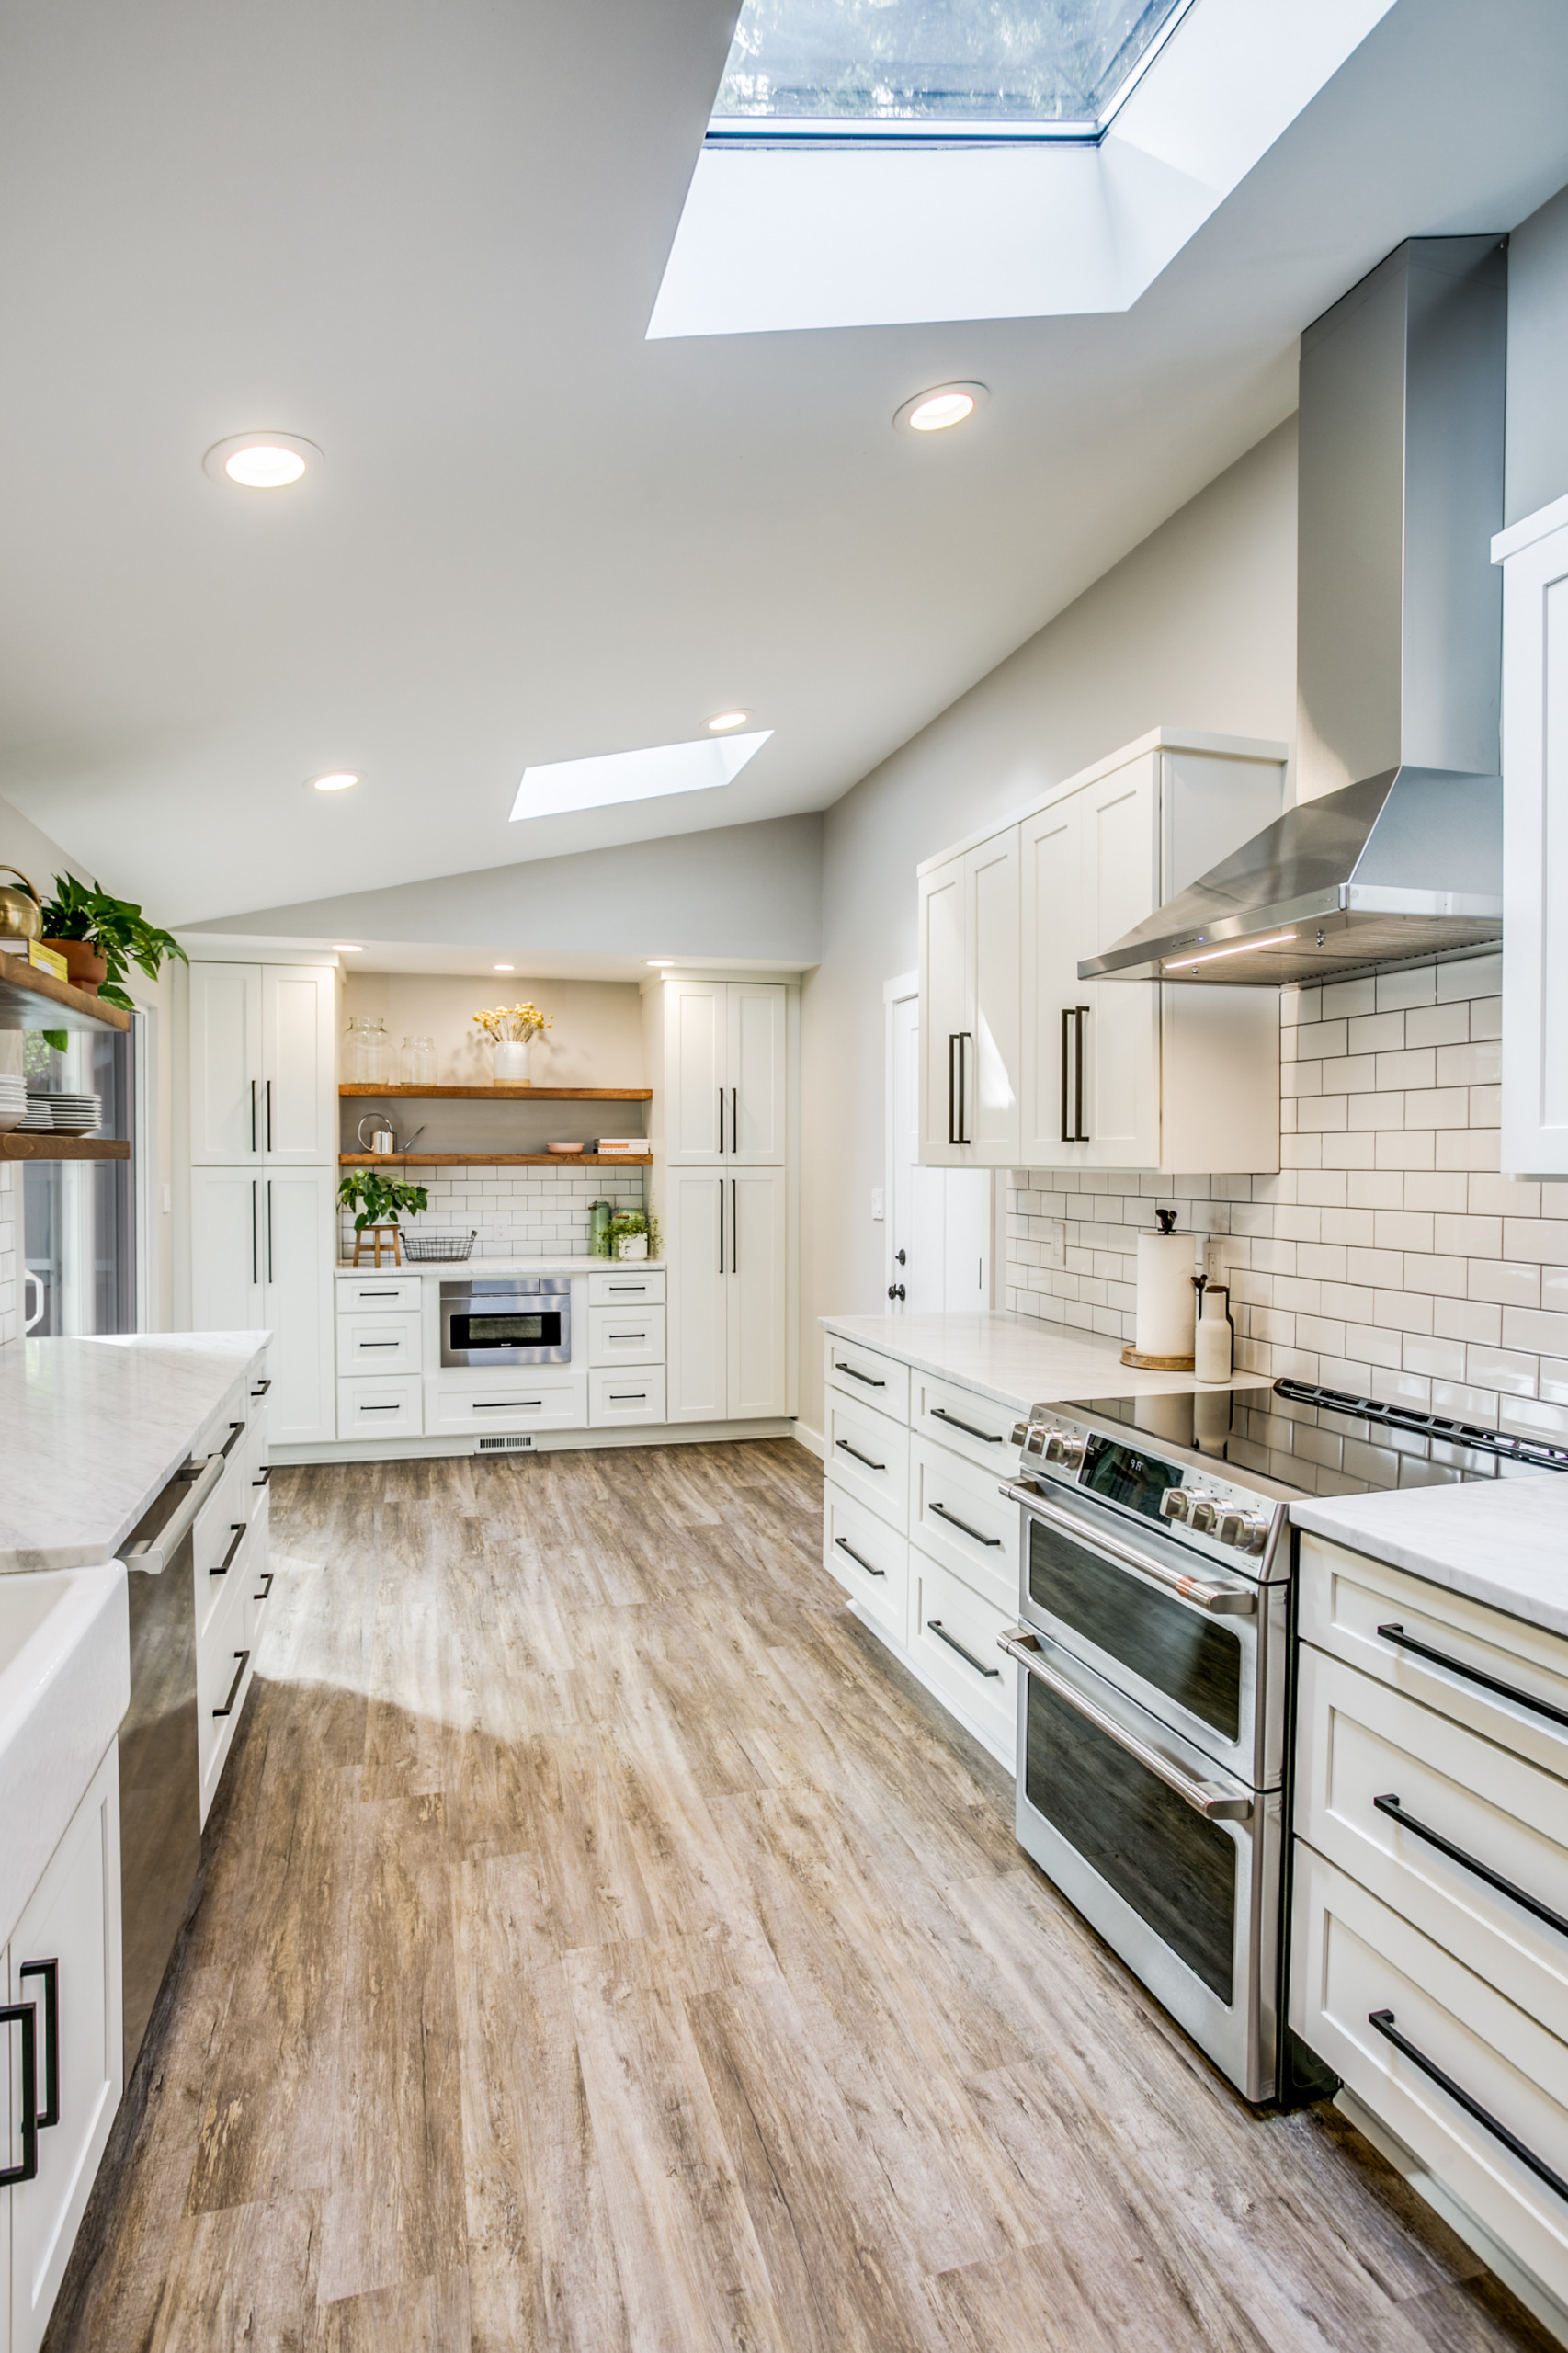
{"x":21,"y":912}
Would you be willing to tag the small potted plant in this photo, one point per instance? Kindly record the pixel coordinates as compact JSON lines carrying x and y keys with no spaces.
{"x":634,"y":1234}
{"x":378,"y":1202}
{"x":511,"y":1029}
{"x":100,"y":937}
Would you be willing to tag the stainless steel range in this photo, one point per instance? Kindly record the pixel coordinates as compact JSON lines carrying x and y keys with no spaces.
{"x":1153,"y":1593}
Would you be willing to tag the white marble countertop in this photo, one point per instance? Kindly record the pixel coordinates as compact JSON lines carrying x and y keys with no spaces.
{"x":91,"y":1431}
{"x":454,"y":1269}
{"x":1499,"y":1540}
{"x":1016,"y":1359}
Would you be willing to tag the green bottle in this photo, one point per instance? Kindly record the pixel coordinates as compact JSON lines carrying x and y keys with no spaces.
{"x":599,"y":1215}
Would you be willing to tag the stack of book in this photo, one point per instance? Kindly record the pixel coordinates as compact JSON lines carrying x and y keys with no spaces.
{"x":608,"y":1147}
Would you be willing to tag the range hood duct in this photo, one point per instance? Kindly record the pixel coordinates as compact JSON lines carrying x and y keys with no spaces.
{"x":1393,"y":852}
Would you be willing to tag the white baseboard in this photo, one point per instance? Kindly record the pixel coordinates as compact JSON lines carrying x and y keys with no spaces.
{"x":813,"y":1441}
{"x":424,"y":1449}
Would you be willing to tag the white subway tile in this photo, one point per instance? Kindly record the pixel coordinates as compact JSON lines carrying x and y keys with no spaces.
{"x":1320,"y":1039}
{"x":1438,"y":1107}
{"x":1408,"y":1069}
{"x":1426,"y":1272}
{"x":1479,"y":1065}
{"x":1507,"y":1371}
{"x":1403,"y":1229}
{"x":1469,"y":976}
{"x":1486,"y":1016}
{"x":1376,"y":1111}
{"x":1438,"y":1025}
{"x":1529,"y":1328}
{"x":1402,"y":1311}
{"x":1544,"y":1239}
{"x":1471,"y":1320}
{"x":1341,"y":997}
{"x":1435,"y":1359}
{"x":1327,"y":1187}
{"x":1414,"y":1149}
{"x":1469,"y":1148}
{"x":1385,"y":1268}
{"x":1377,"y":1033}
{"x":1511,"y":1284}
{"x":1345,"y":1075}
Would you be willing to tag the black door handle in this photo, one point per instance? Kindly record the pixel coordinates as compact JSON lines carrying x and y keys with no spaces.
{"x":899,"y":1257}
{"x":895,"y":1291}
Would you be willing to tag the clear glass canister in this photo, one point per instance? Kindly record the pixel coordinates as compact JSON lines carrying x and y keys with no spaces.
{"x":366,"y":1052}
{"x":418,"y":1061}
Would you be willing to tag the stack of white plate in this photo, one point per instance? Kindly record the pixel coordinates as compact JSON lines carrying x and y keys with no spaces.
{"x":13,"y":1101}
{"x":62,"y":1115}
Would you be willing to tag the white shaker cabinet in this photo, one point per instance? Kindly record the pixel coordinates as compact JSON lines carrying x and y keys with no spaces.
{"x":225,"y":1249}
{"x":719,"y":1049}
{"x":1534,"y":556}
{"x":757,"y":1299}
{"x":225,"y":1064}
{"x":263,"y":1249}
{"x":970,"y":1006}
{"x":727,"y":1345}
{"x":263,"y":1064}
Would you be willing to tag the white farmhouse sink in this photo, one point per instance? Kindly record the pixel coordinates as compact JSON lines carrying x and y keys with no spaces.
{"x":64,"y":1686}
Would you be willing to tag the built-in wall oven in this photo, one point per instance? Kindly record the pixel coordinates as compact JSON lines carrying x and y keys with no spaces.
{"x":1154,"y":1596}
{"x":506,"y":1319}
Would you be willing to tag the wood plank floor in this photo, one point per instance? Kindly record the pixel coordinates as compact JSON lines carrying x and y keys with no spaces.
{"x":603,"y":1946}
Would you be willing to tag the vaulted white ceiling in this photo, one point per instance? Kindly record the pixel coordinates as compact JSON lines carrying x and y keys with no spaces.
{"x":429,"y":238}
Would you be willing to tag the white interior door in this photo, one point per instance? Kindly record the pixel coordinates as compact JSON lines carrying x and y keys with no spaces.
{"x":938,"y":1218}
{"x":225,"y":1063}
{"x":755,"y":1077}
{"x":696,"y":1044}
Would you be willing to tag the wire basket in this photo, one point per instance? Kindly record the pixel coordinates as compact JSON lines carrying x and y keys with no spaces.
{"x":440,"y":1245}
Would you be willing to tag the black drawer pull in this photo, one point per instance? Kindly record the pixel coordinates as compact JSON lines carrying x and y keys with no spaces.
{"x":1473,"y":1674}
{"x":626,"y":1335}
{"x":266,"y":1475}
{"x":1383,"y":2021}
{"x":363,"y":1345}
{"x":855,"y":1450}
{"x":236,"y":1430}
{"x":381,"y":1409}
{"x":941,"y":1511}
{"x":265,"y":1593}
{"x":237,"y":1537}
{"x":935,"y":1626}
{"x":629,"y":1396}
{"x":1395,"y":1812}
{"x":50,"y":1972}
{"x":228,"y":1707}
{"x":855,"y":1556}
{"x":262,"y":1387}
{"x":25,"y":2015}
{"x":503,"y":1404}
{"x":866,"y":1377}
{"x":987,"y":1438}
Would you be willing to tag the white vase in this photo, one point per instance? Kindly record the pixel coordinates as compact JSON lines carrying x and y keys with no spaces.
{"x":632,"y":1245}
{"x":511,"y":1062}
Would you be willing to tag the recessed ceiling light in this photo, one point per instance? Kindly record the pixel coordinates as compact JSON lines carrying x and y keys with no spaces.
{"x":337,"y":781}
{"x":347,"y":947}
{"x":943,"y":405}
{"x":504,"y":968}
{"x":721,"y":722}
{"x":564,"y":785}
{"x":261,"y":460}
{"x":660,"y":963}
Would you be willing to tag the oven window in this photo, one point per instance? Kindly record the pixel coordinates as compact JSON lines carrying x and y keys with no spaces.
{"x":536,"y":1331}
{"x":1190,"y":1658}
{"x":1177,"y":1870}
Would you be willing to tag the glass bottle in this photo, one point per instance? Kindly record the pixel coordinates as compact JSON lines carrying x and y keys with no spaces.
{"x":375,"y":1049}
{"x":419,"y":1062}
{"x":354,"y":1071}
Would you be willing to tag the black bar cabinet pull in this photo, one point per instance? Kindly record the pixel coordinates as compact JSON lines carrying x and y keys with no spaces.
{"x":266,"y":1475}
{"x":269,"y":1229}
{"x":935,"y":1626}
{"x":940,"y":1413}
{"x":720,"y":1225}
{"x":262,"y":1387}
{"x":941,"y":1511}
{"x":965,"y":1041}
{"x":856,"y":1375}
{"x":237,"y":1431}
{"x":1395,"y":1812}
{"x":845,"y":1546}
{"x":855,"y":1450}
{"x":1067,"y":1054}
{"x":503,"y":1404}
{"x":952,"y":1126}
{"x":1080,"y":1131}
{"x":228,"y":1707}
{"x":735,"y":1225}
{"x":1383,"y":2021}
{"x":252,"y":1115}
{"x":735,"y":1121}
{"x":1473,"y":1674}
{"x":255,"y":1236}
{"x":269,"y":1115}
{"x":265,"y":1593}
{"x":720,"y":1128}
{"x":50,"y":1972}
{"x":236,"y":1539}
{"x":25,"y":2015}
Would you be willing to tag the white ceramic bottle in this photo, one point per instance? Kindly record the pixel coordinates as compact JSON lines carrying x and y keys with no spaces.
{"x":1212,"y":1340}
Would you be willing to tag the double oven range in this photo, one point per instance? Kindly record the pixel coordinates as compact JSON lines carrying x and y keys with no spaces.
{"x":1154,"y":1638}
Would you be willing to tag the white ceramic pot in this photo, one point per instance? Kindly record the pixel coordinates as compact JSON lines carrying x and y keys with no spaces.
{"x":632,"y":1245}
{"x":511,"y":1062}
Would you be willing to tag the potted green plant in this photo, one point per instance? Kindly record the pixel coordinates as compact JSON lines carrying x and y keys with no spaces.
{"x":634,"y":1234}
{"x":379,"y":1200}
{"x":100,"y":937}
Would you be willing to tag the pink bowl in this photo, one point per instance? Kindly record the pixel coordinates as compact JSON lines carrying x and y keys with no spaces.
{"x":565,"y":1150}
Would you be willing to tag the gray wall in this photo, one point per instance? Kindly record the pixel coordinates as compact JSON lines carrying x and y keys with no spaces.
{"x":1195,"y":628}
{"x":751,"y":892}
{"x":1537,"y":470}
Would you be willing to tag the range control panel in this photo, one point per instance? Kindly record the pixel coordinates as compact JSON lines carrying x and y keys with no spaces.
{"x":1184,"y":1499}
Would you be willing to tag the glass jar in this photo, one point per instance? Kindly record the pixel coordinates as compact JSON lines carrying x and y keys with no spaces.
{"x":419,"y":1062}
{"x":366,"y":1053}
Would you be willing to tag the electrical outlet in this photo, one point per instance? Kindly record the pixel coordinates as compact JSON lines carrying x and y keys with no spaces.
{"x":1214,"y":1258}
{"x":878,"y":1210}
{"x":1054,"y":1247}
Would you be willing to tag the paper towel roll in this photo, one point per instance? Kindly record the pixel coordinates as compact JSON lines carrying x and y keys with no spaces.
{"x":1167,"y":1300}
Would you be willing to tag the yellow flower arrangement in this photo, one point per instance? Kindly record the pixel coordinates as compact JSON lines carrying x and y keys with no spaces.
{"x":515,"y":1024}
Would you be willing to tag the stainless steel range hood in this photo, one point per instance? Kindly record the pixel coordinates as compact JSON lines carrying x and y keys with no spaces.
{"x":1393,"y":852}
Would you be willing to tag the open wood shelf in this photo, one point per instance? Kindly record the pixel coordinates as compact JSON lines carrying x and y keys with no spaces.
{"x":508,"y":1094}
{"x":495,"y":1159}
{"x":14,"y":1145}
{"x":33,"y":1000}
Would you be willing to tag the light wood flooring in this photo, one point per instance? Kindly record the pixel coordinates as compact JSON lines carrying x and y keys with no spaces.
{"x":603,"y":1945}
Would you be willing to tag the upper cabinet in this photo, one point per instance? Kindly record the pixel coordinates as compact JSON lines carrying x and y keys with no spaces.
{"x":263,"y":1064}
{"x":1534,"y":556}
{"x":1023,"y":1063}
{"x":717,"y":1066}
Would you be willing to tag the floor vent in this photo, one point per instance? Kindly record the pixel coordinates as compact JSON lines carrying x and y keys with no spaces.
{"x":506,"y":1445}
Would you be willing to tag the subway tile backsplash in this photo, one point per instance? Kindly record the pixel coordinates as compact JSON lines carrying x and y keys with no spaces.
{"x":1388,"y":1257}
{"x":10,"y":1260}
{"x":520,"y":1213}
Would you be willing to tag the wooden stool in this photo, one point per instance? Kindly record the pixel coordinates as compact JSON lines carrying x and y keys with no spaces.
{"x":372,"y":1234}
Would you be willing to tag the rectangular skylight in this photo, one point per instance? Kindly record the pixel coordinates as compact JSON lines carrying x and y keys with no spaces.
{"x":911,"y":68}
{"x":560,"y":786}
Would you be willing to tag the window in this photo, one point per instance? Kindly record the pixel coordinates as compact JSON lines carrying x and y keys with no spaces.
{"x":918,"y":68}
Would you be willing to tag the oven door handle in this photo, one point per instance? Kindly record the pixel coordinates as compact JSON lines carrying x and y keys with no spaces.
{"x":1215,"y":1600}
{"x":1212,"y":1799}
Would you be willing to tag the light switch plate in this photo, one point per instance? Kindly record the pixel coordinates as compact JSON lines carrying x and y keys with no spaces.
{"x":878,"y":1210}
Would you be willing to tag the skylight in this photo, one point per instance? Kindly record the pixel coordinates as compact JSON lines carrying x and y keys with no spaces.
{"x":560,"y":786}
{"x":920,"y":68}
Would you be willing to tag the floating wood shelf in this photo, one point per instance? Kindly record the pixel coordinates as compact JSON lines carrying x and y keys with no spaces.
{"x":508,"y":1094}
{"x":14,"y":1145}
{"x":495,"y":1159}
{"x":33,"y":1000}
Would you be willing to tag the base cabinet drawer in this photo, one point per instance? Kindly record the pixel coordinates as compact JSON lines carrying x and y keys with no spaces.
{"x":864,"y":1373}
{"x":377,"y":1343}
{"x":555,"y":1403}
{"x":382,"y":1408}
{"x":632,"y":1334}
{"x":975,"y":1427}
{"x":957,"y":1516}
{"x":953,"y":1639}
{"x":219,"y":1552}
{"x":225,"y":1665}
{"x":869,"y":1559}
{"x":625,"y":1288}
{"x":374,"y":1294}
{"x":632,"y":1393}
{"x":1361,"y":1976}
{"x":868,"y":1454}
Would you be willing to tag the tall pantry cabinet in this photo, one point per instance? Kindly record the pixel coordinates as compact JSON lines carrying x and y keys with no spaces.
{"x":262,"y":1093}
{"x":719,"y":1057}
